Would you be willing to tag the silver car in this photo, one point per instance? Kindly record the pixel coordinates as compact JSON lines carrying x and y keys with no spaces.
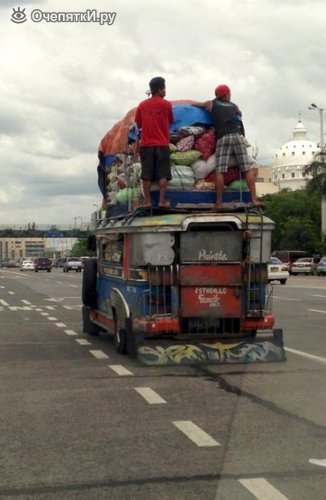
{"x":72,"y":264}
{"x":305,"y":265}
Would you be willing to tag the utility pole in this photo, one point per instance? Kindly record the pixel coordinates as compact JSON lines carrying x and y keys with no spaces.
{"x":322,"y":158}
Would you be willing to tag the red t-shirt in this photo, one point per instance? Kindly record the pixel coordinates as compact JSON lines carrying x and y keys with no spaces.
{"x":154,"y":116}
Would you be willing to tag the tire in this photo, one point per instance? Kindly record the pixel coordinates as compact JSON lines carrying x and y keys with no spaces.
{"x":282,"y":282}
{"x":49,"y":270}
{"x":120,"y":341}
{"x":89,"y":327}
{"x":89,"y":295}
{"x":36,"y":270}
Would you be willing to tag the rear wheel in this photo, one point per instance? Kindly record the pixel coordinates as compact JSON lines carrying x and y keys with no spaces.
{"x":89,"y":296}
{"x":120,"y":340}
{"x":282,"y":282}
{"x":89,"y":327}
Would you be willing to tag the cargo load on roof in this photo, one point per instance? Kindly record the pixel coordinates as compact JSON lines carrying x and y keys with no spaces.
{"x":192,"y":153}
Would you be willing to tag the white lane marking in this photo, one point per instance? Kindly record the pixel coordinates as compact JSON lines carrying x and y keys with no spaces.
{"x":83,"y":342}
{"x":1,"y":285}
{"x":306,"y":355}
{"x":44,"y":314}
{"x":323,"y":296}
{"x":285,"y":298}
{"x":12,"y":293}
{"x":51,"y":300}
{"x":70,"y":332}
{"x":99,"y":354}
{"x":73,"y":286}
{"x":195,"y":433}
{"x":50,"y":308}
{"x":27,"y":302}
{"x":150,"y":396}
{"x":262,"y":489}
{"x":52,"y":318}
{"x":60,"y":325}
{"x":317,"y":311}
{"x":3,"y":302}
{"x":39,"y":310}
{"x":315,"y":461}
{"x":120,"y":370}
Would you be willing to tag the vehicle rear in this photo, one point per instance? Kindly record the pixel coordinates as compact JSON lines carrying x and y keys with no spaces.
{"x":321,"y":267}
{"x":288,"y":257}
{"x":186,"y":288}
{"x":42,"y":264}
{"x":277,"y":271}
{"x":305,"y":266}
{"x":73,"y":264}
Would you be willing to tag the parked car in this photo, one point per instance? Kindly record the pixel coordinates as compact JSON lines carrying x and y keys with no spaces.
{"x":43,"y":264}
{"x":306,"y":265}
{"x":73,"y":264}
{"x":277,"y":271}
{"x":290,"y":256}
{"x":27,"y":265}
{"x":321,"y":267}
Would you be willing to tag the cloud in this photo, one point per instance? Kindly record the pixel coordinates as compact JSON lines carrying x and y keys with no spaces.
{"x":64,"y":85}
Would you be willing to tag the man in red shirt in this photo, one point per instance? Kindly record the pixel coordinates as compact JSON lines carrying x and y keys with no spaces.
{"x":153,"y":117}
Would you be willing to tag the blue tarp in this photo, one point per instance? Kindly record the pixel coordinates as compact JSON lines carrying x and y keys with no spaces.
{"x":187,"y":115}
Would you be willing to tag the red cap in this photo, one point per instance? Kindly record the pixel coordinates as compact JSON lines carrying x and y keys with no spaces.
{"x":222,"y":90}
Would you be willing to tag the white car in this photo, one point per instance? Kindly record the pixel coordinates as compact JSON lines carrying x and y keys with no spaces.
{"x":27,"y":265}
{"x":277,"y":271}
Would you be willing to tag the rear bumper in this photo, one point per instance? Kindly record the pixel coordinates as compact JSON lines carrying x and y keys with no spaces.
{"x":258,"y":350}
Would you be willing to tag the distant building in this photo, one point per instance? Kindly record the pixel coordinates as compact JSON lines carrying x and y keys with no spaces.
{"x":288,"y":170}
{"x":18,"y":248}
{"x":264,"y":184}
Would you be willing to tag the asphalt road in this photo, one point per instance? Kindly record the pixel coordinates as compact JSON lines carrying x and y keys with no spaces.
{"x":80,"y":421}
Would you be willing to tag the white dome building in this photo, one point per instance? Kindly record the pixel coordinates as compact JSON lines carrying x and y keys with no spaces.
{"x":291,"y":160}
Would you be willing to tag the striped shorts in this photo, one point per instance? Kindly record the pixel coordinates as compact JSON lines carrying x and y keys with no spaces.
{"x":231,"y":145}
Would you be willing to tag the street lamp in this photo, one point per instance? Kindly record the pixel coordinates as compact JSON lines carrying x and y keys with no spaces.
{"x":321,"y":111}
{"x":322,"y":158}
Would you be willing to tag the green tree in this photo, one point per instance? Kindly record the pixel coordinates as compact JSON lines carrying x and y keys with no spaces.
{"x":317,"y":184}
{"x":80,"y":249}
{"x":297,"y":218}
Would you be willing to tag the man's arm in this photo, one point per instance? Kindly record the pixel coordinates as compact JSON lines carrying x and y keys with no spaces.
{"x":204,"y":105}
{"x":138,"y":118}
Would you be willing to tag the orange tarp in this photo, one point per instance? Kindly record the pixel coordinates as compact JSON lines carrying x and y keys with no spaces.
{"x":116,"y":140}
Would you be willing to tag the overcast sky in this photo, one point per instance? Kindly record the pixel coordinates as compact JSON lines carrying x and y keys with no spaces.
{"x":63,"y":85}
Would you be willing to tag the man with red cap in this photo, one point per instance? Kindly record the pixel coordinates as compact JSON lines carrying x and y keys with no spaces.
{"x":230,"y":141}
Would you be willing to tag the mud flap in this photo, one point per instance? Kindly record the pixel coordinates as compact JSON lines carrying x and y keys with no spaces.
{"x":251,"y":350}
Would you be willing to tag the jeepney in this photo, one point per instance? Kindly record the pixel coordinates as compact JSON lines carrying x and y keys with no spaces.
{"x":184,"y":286}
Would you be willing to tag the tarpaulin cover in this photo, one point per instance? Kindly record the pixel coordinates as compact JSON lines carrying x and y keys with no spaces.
{"x":116,"y":140}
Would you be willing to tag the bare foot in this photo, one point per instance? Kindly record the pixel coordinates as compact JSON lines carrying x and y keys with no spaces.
{"x":218,"y":207}
{"x":164,"y":204}
{"x":258,"y":203}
